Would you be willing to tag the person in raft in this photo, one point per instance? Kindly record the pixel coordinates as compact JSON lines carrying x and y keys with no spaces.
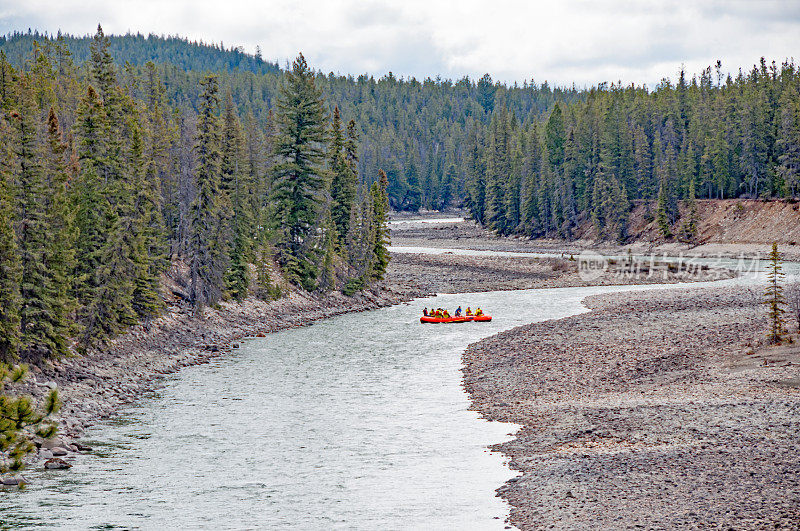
{"x":478,"y":312}
{"x":425,"y":312}
{"x":458,"y":311}
{"x":469,"y":311}
{"x":446,"y":314}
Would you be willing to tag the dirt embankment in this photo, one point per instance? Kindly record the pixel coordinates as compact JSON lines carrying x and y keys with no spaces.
{"x":657,"y":410}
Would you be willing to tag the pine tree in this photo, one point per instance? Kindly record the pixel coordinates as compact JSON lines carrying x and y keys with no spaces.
{"x":298,"y":173}
{"x":662,"y":217}
{"x":20,"y":421}
{"x":689,"y":224}
{"x":330,"y":238}
{"x":208,"y":254}
{"x":380,"y":219}
{"x":43,"y":320}
{"x":60,"y":220}
{"x":9,"y":259}
{"x":237,"y":190}
{"x":148,"y":231}
{"x":343,"y":176}
{"x":774,"y":298}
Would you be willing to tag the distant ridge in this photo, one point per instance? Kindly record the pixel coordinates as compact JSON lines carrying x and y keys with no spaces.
{"x":138,"y":49}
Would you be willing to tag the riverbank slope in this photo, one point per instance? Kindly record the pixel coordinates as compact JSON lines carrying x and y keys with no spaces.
{"x":726,"y":227}
{"x":657,"y":409}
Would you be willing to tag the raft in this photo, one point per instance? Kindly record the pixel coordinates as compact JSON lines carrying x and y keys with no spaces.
{"x":462,"y":319}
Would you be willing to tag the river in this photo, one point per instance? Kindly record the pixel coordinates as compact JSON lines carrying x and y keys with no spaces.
{"x":356,"y":422}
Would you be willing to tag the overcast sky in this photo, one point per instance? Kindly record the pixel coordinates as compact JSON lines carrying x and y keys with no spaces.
{"x":562,"y":41}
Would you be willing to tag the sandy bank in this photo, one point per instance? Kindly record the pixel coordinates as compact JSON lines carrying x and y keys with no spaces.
{"x":652,"y":410}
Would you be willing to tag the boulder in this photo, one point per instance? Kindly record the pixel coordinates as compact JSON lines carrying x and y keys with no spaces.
{"x":56,"y":464}
{"x":45,"y":454}
{"x":55,"y":442}
{"x":13,"y":480}
{"x":82,"y":447}
{"x":58,"y":451}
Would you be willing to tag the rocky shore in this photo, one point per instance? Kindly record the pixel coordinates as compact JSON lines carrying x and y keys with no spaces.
{"x":468,"y":235}
{"x":94,"y":386}
{"x":656,"y":410}
{"x":455,"y":273}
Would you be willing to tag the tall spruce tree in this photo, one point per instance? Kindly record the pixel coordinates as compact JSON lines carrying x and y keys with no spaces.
{"x":299,"y":173}
{"x":343,"y":177}
{"x":43,"y":315}
{"x":208,"y":253}
{"x":237,"y":189}
{"x":9,"y":259}
{"x":380,"y":219}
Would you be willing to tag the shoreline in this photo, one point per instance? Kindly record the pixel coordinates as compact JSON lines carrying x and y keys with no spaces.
{"x":468,"y":235}
{"x":95,"y":386}
{"x":654,"y":409}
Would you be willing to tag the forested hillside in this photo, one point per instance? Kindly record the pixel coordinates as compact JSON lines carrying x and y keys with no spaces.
{"x":105,"y":187}
{"x":713,"y":136}
{"x":138,"y":50}
{"x":417,"y":131}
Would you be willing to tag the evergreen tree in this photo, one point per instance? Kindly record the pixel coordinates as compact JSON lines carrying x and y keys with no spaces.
{"x":208,"y":258}
{"x":343,"y":177}
{"x":774,"y":298}
{"x":9,"y":259}
{"x":20,"y":421}
{"x":298,"y":173}
{"x":43,"y":321}
{"x":380,"y":218}
{"x":662,"y":218}
{"x":237,"y":189}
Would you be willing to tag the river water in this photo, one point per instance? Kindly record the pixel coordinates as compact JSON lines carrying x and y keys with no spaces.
{"x":359,"y":422}
{"x":356,"y":422}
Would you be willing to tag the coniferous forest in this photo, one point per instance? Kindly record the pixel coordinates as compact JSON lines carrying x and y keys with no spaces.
{"x":106,"y":185}
{"x":126,"y":157}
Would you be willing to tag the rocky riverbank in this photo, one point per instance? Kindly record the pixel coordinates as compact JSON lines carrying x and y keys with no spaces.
{"x":456,"y":273}
{"x":94,"y":386}
{"x":658,"y":410}
{"x":468,"y":235}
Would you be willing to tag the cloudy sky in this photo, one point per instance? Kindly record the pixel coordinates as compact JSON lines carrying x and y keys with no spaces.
{"x":562,"y":41}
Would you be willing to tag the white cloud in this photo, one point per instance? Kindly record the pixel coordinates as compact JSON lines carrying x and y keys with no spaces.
{"x":579,"y":41}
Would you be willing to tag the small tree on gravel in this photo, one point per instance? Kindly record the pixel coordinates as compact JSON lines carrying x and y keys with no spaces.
{"x":20,"y":420}
{"x":774,"y":298}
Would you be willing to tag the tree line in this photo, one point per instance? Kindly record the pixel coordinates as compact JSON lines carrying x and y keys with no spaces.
{"x":105,"y":187}
{"x":713,"y":136}
{"x":416,"y":130}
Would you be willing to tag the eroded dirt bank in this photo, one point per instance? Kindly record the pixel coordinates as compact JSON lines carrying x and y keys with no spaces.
{"x":655,"y":410}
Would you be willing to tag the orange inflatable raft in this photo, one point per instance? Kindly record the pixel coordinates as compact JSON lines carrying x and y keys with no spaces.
{"x":462,"y":319}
